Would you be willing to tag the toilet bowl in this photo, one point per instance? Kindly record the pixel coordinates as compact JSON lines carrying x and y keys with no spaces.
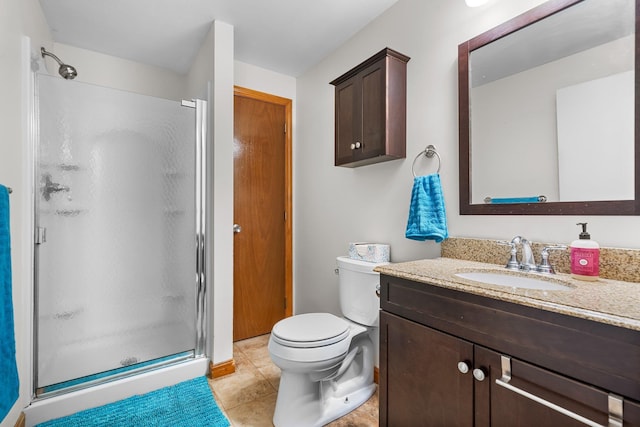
{"x":327,"y":361}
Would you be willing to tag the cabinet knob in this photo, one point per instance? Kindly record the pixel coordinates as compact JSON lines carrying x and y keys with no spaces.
{"x":356,"y":145}
{"x":479,"y":374}
{"x":464,"y":367}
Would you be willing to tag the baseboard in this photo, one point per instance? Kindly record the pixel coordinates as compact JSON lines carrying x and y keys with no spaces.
{"x":21,"y":422}
{"x":229,"y":367}
{"x":221,"y":369}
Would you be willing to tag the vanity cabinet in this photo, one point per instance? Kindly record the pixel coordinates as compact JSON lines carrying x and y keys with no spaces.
{"x":446,"y":355}
{"x":370,"y":111}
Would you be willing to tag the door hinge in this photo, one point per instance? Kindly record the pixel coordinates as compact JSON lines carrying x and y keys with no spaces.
{"x":41,"y":235}
{"x":285,"y":128}
{"x":285,"y":303}
{"x":285,"y":216}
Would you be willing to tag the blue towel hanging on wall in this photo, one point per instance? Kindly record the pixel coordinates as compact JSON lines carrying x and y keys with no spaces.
{"x":427,"y":216}
{"x":8,"y":369}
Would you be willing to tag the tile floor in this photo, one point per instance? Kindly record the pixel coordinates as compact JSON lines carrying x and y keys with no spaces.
{"x":248,"y":396}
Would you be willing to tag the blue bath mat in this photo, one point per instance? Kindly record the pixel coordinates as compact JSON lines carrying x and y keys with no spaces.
{"x":188,"y":404}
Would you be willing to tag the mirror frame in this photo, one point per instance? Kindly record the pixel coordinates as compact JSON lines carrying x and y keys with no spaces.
{"x":606,"y":207}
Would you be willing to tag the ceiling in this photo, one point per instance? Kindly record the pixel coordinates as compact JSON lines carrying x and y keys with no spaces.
{"x":286,"y":36}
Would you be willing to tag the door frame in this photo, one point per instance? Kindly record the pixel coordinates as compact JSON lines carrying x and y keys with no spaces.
{"x":288,"y":190}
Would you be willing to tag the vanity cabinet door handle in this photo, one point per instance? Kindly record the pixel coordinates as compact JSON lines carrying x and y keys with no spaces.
{"x":615,"y":402}
{"x":464,"y":367}
{"x":479,"y":374}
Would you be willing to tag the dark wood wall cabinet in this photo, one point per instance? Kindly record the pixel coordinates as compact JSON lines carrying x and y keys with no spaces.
{"x":371,"y":111}
{"x":449,"y":358}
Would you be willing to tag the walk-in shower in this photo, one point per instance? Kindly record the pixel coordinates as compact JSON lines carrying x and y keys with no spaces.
{"x":119,"y":242}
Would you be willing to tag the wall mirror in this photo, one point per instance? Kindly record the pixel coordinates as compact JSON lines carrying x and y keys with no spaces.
{"x":548,"y":106}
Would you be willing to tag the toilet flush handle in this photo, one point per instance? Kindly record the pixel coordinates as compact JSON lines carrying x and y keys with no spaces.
{"x":378,"y":290}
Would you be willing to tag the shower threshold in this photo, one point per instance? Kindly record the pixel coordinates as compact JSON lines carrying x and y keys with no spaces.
{"x":113,"y":374}
{"x":102,"y":393}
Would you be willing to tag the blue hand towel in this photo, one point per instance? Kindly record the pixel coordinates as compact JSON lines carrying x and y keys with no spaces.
{"x":427,"y":216}
{"x":8,"y":368}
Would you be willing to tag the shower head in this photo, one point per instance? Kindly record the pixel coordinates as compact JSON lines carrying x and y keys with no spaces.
{"x":67,"y":71}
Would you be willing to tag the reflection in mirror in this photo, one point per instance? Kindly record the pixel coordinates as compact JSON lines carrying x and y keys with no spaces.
{"x":547,"y":108}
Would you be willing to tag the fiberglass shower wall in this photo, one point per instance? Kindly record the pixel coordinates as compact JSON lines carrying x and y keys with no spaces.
{"x":115,"y":221}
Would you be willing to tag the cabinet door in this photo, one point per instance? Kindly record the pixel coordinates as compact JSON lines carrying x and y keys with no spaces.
{"x":631,"y":413}
{"x":348,"y":120}
{"x":374,"y":105}
{"x":420,"y":384}
{"x":498,"y":406}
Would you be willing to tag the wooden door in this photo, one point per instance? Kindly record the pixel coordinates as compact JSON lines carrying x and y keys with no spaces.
{"x":420,"y":384}
{"x":262,"y":210}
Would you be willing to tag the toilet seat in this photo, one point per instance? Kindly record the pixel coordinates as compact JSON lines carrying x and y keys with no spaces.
{"x":310,"y":330}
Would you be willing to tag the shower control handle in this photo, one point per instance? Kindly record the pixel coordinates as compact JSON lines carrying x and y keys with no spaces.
{"x":236,"y":228}
{"x":51,"y":187}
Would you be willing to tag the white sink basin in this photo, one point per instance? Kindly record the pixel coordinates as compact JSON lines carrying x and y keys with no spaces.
{"x":512,"y":281}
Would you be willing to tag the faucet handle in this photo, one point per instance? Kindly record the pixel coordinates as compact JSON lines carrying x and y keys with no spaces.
{"x":545,"y":266}
{"x":513,"y":263}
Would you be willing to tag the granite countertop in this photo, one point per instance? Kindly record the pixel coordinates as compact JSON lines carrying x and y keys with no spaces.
{"x":607,"y":301}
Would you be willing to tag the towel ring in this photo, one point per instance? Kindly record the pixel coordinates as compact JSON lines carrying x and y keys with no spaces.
{"x":429,"y":152}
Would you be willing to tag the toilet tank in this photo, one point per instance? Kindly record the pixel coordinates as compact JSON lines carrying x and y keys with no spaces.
{"x":358,"y":285}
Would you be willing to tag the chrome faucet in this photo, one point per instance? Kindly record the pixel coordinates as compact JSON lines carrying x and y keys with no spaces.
{"x":527,"y":262}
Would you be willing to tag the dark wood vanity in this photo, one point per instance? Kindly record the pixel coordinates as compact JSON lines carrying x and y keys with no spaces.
{"x":444,"y":354}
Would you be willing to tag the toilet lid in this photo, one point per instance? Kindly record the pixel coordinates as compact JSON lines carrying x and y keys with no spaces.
{"x":310,"y":330}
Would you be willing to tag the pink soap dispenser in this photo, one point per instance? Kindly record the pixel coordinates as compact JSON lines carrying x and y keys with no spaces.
{"x":585,"y":256}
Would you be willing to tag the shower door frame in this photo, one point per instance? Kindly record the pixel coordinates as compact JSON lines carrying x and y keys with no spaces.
{"x":201,"y":302}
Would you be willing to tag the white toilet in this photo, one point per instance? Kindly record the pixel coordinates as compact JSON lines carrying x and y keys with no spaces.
{"x":327,"y":361}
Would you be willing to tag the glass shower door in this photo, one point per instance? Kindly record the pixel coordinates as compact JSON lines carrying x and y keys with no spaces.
{"x":116,"y":282}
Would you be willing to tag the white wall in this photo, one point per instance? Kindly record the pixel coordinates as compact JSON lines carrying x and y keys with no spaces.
{"x":117,"y":73}
{"x":263,"y":80}
{"x":18,"y":18}
{"x":221,"y":188}
{"x":335,"y":205}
